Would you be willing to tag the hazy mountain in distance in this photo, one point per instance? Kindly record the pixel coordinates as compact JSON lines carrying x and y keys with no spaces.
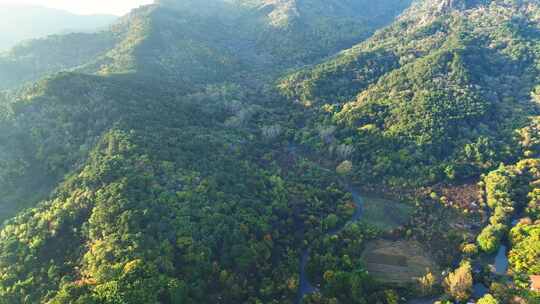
{"x":237,"y":36}
{"x":23,"y":22}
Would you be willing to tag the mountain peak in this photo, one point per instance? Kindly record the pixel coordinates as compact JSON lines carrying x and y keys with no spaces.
{"x":445,"y":5}
{"x":198,"y":6}
{"x":425,"y":10}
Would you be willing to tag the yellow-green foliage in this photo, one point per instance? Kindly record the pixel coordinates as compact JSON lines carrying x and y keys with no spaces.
{"x":525,"y":254}
{"x":458,"y":284}
{"x":488,"y":299}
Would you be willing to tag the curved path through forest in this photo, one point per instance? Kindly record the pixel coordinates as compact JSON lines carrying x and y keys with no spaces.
{"x":305,"y":286}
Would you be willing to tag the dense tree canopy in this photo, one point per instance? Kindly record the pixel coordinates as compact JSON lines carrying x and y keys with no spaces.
{"x":436,"y":96}
{"x":176,"y":158}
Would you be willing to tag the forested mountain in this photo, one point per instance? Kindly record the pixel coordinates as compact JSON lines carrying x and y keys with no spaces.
{"x":205,"y":151}
{"x":439,"y":94}
{"x":201,"y":41}
{"x":24,"y":22}
{"x":158,"y":159}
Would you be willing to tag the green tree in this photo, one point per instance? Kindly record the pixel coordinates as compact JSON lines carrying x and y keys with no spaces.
{"x":488,"y":299}
{"x":524,"y":257}
{"x":489,"y":239}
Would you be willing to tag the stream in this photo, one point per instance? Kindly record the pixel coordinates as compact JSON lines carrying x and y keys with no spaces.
{"x":305,"y":286}
{"x":500,"y":265}
{"x":499,"y":262}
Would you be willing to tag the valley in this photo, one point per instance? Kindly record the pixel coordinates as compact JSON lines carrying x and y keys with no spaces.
{"x":291,"y":151}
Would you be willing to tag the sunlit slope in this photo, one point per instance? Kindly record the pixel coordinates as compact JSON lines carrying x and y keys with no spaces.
{"x":438,"y":95}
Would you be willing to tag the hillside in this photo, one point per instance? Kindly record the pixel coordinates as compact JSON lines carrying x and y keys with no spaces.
{"x":174,"y":42}
{"x":212,"y":152}
{"x":23,"y":22}
{"x":321,"y":28}
{"x":201,"y":210}
{"x":439,"y":94}
{"x":151,"y":46}
{"x":157,"y":159}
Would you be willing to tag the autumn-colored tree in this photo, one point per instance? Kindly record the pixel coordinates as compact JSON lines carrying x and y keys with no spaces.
{"x":470,"y":249}
{"x":344,"y":168}
{"x":458,"y":284}
{"x":427,"y":282}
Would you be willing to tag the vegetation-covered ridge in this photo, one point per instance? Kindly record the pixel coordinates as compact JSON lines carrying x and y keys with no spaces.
{"x":201,"y":41}
{"x":163,"y":165}
{"x":436,"y":96}
{"x":160,"y":160}
{"x":176,"y":209}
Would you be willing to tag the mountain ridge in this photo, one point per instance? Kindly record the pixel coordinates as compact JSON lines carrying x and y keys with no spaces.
{"x":392,"y":63}
{"x":244,"y":30}
{"x":189,"y":156}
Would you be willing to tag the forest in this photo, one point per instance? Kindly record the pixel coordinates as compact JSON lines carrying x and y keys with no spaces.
{"x":315,"y":152}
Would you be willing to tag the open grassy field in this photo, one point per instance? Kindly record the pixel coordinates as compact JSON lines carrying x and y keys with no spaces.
{"x":385,"y":214}
{"x":397,"y":262}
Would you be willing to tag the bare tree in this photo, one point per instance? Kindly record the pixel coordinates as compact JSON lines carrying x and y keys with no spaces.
{"x":327,"y":134}
{"x":344,"y":151}
{"x":271,"y":132}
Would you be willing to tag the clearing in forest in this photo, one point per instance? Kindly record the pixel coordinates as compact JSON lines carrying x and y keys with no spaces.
{"x":385,"y":214}
{"x":397,"y":262}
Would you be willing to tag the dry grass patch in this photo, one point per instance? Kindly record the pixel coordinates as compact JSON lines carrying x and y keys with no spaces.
{"x":397,"y":262}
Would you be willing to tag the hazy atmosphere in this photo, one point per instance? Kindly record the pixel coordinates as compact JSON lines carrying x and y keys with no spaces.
{"x":114,"y":7}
